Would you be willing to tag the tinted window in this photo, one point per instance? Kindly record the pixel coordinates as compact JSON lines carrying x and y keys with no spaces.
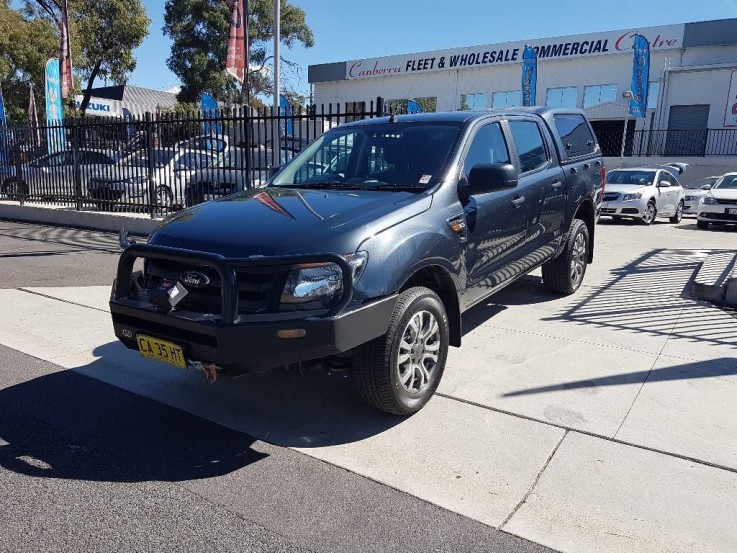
{"x":95,"y":158}
{"x":530,"y":145}
{"x":727,"y":182}
{"x":637,"y":178}
{"x":666,"y":176}
{"x":575,"y":134}
{"x":488,"y":146}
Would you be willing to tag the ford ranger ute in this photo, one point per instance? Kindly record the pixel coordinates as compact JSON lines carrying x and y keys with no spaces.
{"x":368,"y":247}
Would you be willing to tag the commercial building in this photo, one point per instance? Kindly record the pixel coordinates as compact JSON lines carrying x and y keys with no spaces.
{"x":126,"y":100}
{"x":693,"y":82}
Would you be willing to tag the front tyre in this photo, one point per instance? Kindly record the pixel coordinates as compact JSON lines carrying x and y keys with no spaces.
{"x":678,"y":215}
{"x":650,"y":213}
{"x":564,"y":274}
{"x":400,"y":371}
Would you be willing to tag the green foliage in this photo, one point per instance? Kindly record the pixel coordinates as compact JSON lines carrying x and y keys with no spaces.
{"x":199,"y":30}
{"x":26,"y":44}
{"x":107,"y":33}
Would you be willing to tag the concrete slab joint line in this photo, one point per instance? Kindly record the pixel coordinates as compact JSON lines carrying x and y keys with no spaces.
{"x":535,"y":481}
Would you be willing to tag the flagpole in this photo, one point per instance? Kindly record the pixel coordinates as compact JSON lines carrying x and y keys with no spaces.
{"x":277,"y":36}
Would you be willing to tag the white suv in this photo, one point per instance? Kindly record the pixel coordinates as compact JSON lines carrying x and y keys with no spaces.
{"x":719,"y":205}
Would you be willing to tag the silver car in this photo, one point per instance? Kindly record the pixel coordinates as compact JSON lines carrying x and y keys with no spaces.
{"x":719,"y":205}
{"x":52,"y":175}
{"x":127,"y":182}
{"x":694,"y":192}
{"x":643,"y":193}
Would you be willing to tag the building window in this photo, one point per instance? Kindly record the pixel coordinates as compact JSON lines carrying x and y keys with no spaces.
{"x":427,"y":104}
{"x":599,"y":94}
{"x":478,"y":100}
{"x":562,"y":97}
{"x":507,"y":99}
{"x":653,"y":91}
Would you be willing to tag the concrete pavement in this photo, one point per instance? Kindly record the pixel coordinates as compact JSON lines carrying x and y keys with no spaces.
{"x":599,"y":422}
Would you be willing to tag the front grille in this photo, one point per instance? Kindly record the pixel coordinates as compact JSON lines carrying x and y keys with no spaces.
{"x":608,"y":210}
{"x":631,"y":210}
{"x":259,"y":288}
{"x":726,"y":202}
{"x":611,"y":196}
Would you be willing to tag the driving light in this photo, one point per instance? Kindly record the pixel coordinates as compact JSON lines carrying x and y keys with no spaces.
{"x":709,"y":200}
{"x":628,"y":197}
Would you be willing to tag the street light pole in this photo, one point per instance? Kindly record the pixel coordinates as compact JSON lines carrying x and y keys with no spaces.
{"x":277,"y":37}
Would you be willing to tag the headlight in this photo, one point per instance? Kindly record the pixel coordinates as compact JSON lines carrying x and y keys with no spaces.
{"x":628,"y":197}
{"x":316,"y":285}
{"x":689,"y":198}
{"x":709,"y":200}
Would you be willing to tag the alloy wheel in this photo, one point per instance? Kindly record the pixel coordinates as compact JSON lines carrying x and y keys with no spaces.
{"x":578,"y":259}
{"x":419,"y":352}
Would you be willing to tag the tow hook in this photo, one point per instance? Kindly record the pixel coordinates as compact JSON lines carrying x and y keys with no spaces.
{"x":210,"y":370}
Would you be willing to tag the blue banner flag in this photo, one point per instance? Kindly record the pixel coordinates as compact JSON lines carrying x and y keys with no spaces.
{"x":3,"y":134}
{"x":209,"y":112}
{"x":640,"y":76}
{"x":413,"y":107}
{"x":286,"y":111}
{"x":529,"y":76}
{"x":55,"y":139}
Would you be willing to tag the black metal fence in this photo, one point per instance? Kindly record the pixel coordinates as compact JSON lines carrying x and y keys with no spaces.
{"x":698,"y":143}
{"x":159,"y":164}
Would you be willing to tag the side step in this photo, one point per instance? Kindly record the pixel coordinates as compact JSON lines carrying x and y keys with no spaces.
{"x":716,"y":280}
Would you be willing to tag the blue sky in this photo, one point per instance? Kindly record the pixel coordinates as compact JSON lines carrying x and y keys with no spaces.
{"x":347,"y":29}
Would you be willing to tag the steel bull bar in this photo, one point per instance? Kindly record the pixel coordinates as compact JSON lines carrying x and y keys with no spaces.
{"x":241,"y":343}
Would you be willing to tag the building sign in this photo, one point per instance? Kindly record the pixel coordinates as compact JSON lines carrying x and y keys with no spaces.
{"x":730,"y":115}
{"x":592,"y":44}
{"x":100,"y":106}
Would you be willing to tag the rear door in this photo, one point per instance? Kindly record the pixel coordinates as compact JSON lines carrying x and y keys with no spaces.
{"x":541,"y":184}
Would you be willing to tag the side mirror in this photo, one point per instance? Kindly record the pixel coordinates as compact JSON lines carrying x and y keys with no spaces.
{"x":487,"y":177}
{"x":706,"y":186}
{"x":663,"y":184}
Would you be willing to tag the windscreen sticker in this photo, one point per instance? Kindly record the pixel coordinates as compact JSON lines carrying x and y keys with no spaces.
{"x":424,"y":179}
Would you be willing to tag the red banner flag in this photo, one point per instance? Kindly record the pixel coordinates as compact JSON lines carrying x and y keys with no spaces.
{"x":65,"y":58}
{"x":237,"y":58}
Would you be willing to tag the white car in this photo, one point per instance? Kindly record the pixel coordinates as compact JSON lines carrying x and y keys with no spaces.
{"x":644,"y":193}
{"x":694,"y":192}
{"x":719,"y":205}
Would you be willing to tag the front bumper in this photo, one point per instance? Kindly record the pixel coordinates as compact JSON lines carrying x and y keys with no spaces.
{"x":719,"y":213}
{"x":620,"y":208}
{"x":240,"y":343}
{"x":691,"y":205}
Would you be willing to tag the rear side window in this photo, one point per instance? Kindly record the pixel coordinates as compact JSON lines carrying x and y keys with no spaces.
{"x":530,"y":145}
{"x":575,"y":134}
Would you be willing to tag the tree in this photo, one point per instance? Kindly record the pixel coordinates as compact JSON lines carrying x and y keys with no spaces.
{"x":199,"y":30}
{"x":26,"y":44}
{"x":104,"y":35}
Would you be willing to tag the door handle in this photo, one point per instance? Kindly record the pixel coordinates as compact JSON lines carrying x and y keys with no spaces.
{"x":518,"y":201}
{"x":556,"y":184}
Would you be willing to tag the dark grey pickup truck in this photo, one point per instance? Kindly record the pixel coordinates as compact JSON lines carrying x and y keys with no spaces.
{"x":367,"y":248}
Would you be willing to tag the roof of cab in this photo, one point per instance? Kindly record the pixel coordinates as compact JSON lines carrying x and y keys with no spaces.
{"x":464,"y":116}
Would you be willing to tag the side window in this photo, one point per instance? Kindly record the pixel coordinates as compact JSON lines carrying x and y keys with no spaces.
{"x":187,"y":161}
{"x":488,"y":146}
{"x":666,"y":176}
{"x":530,"y":145}
{"x":575,"y":134}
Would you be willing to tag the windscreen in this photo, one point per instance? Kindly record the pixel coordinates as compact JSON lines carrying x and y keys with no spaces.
{"x":727,"y":182}
{"x":634,"y":178}
{"x":695,"y":185}
{"x":384,"y":156}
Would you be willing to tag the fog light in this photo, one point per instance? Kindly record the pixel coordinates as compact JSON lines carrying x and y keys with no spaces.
{"x":291,"y":333}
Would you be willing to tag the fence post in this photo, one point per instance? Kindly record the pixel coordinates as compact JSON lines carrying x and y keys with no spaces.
{"x":77,"y":168}
{"x":246,"y":122}
{"x":379,"y":106}
{"x":150,"y":157}
{"x":18,"y":165}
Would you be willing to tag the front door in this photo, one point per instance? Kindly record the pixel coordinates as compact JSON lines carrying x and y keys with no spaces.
{"x":496,"y":221}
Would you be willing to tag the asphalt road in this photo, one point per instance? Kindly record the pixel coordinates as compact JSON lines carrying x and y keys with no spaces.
{"x":85,"y":466}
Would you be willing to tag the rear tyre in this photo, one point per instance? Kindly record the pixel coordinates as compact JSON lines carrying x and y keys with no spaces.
{"x":399,"y":372}
{"x":564,"y":274}
{"x":702,"y":225}
{"x":650,"y":213}
{"x":678,"y":215}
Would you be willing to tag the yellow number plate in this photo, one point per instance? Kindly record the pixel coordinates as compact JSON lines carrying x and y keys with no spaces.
{"x":161,"y":350}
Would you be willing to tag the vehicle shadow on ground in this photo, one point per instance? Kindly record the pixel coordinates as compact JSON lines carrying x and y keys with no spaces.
{"x":66,"y":425}
{"x":691,"y":225}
